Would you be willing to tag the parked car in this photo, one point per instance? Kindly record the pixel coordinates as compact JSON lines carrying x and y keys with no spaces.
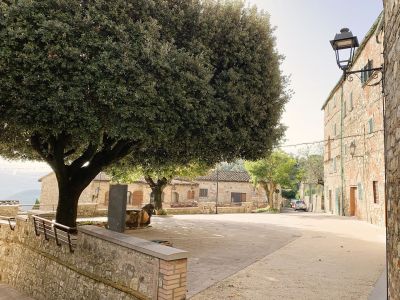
{"x":293,"y":203}
{"x":300,"y":205}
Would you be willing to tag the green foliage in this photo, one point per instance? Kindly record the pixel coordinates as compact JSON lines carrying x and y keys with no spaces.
{"x":37,"y":204}
{"x":162,"y":212}
{"x":237,"y":166}
{"x":124,"y":172}
{"x":289,"y":194}
{"x":85,"y":83}
{"x":312,"y":168}
{"x":278,"y":168}
{"x":267,"y":210}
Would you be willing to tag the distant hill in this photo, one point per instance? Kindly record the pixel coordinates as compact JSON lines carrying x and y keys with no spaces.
{"x":27,"y":197}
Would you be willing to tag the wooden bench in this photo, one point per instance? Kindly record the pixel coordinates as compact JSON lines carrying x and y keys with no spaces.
{"x":51,"y":230}
{"x":11,"y":221}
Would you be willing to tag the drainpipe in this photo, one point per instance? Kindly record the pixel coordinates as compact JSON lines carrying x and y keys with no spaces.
{"x":341,"y":145}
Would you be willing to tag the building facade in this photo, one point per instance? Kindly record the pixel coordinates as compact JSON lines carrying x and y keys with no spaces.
{"x":354,"y":167}
{"x":233,"y":188}
{"x":229,"y":187}
{"x":392,"y":131}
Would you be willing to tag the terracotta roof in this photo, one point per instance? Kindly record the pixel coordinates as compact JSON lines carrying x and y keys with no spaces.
{"x":229,"y":176}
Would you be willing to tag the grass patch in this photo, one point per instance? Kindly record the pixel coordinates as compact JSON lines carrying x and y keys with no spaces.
{"x":266,"y":210}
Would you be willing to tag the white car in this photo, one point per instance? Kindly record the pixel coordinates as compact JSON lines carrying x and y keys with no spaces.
{"x":300,"y":205}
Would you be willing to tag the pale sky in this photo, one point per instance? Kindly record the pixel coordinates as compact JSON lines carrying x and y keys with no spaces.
{"x":304,"y":28}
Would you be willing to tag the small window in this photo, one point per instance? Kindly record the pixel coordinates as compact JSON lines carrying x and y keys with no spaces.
{"x":366,"y":73}
{"x":334,"y":164}
{"x":329,"y":148}
{"x":351,"y":101}
{"x":370,"y":125}
{"x":203,"y":192}
{"x":238,"y":197}
{"x":360,"y":192}
{"x":375,"y":190}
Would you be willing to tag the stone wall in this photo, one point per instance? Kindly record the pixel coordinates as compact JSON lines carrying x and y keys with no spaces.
{"x":104,"y":265}
{"x":225,"y":190}
{"x":392,"y":131}
{"x":361,"y":150}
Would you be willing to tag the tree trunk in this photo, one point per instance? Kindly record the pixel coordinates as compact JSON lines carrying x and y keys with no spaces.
{"x":157,"y":187}
{"x":68,"y":197}
{"x":157,"y":192}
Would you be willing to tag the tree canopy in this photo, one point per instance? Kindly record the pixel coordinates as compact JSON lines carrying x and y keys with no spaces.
{"x":85,"y":83}
{"x":279,"y":168}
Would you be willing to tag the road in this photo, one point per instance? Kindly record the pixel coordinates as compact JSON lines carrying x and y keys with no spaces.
{"x":275,"y":256}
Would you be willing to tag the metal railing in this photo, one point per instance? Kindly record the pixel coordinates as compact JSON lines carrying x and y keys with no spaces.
{"x":51,"y":230}
{"x":11,"y":221}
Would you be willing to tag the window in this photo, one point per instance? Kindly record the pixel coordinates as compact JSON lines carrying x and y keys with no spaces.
{"x":203,"y":192}
{"x":238,"y":197}
{"x":365,"y":75}
{"x":329,"y":148}
{"x":375,"y":190}
{"x":334,"y":164}
{"x":359,"y":188}
{"x":344,"y":109}
{"x":370,"y":125}
{"x":351,"y":101}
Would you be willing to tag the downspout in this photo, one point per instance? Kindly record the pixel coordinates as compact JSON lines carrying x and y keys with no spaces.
{"x":341,"y":144}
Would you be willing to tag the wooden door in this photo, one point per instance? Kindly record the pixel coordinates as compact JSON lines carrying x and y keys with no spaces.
{"x":353,"y":202}
{"x":137,"y":198}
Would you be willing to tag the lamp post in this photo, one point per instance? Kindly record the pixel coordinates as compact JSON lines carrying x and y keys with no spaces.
{"x":216,"y":199}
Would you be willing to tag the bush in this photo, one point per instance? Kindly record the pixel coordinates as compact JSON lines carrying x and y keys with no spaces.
{"x":161,"y":212}
{"x":267,"y":210}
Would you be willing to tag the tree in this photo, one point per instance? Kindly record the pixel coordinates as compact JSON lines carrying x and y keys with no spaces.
{"x":85,"y":83}
{"x":279,"y":168}
{"x":156,"y":179}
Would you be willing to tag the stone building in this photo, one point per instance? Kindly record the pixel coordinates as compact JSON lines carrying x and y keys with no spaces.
{"x":354,"y":170}
{"x":233,"y":188}
{"x":139,"y":192}
{"x":392,"y":132}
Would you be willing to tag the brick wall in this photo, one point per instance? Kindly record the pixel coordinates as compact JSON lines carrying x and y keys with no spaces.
{"x":172,"y":280}
{"x":392,"y":130}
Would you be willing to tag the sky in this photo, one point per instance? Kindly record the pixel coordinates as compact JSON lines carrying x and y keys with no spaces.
{"x":304,"y":28}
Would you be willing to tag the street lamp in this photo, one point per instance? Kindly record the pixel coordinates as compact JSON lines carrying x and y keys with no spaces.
{"x":344,"y":44}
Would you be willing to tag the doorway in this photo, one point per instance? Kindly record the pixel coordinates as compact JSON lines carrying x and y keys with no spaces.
{"x":353,"y":202}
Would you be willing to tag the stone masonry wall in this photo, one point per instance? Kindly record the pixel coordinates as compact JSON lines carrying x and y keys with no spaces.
{"x":9,"y":210}
{"x":100,"y":268}
{"x":363,"y":139}
{"x":392,"y":131}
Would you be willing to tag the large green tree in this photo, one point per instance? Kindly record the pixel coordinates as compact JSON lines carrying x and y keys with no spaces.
{"x":279,"y":168}
{"x":85,"y":83}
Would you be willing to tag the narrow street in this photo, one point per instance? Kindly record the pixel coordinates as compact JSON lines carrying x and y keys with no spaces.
{"x":293,"y":255}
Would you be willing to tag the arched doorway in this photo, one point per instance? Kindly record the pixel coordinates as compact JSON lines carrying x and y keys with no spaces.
{"x":175,"y":197}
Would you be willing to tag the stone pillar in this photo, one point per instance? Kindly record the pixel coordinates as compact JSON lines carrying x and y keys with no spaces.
{"x":392,"y":132}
